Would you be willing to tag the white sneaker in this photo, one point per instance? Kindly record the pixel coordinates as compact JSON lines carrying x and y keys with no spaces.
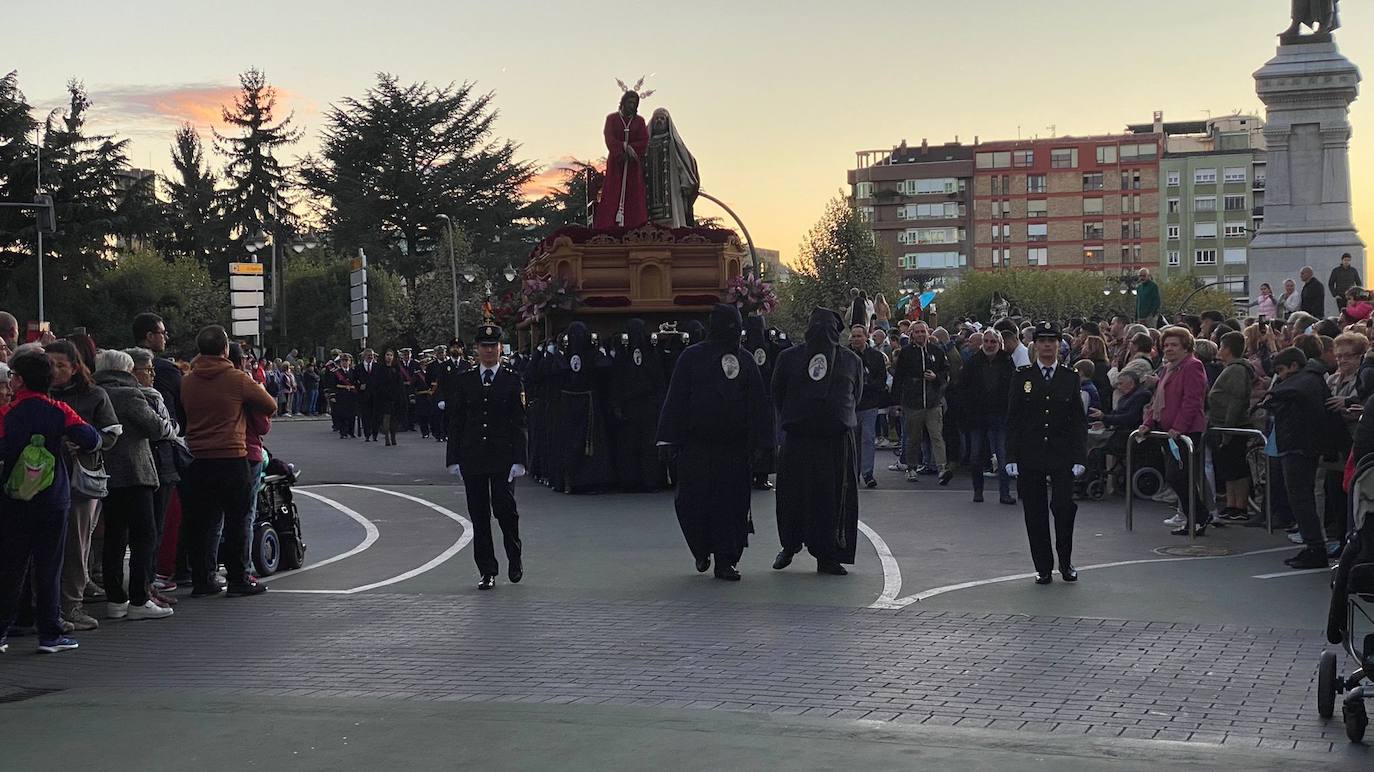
{"x":1177,"y":520}
{"x":1296,"y":537}
{"x":149,"y":610}
{"x":896,"y":466}
{"x":116,"y":610}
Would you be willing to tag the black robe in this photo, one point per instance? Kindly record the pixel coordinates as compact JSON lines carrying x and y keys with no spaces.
{"x":718,"y":423}
{"x":764,"y":353}
{"x":818,"y":479}
{"x":637,"y":388}
{"x":583,"y":445}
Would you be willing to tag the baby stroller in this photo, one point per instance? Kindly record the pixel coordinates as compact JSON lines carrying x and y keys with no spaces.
{"x":1352,"y":590}
{"x":277,"y":541}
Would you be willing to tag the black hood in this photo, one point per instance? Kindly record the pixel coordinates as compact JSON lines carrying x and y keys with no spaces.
{"x":579,"y":340}
{"x":725,"y":324}
{"x":755,"y":336}
{"x":823,"y":329}
{"x":696,"y":332}
{"x":638,"y":337}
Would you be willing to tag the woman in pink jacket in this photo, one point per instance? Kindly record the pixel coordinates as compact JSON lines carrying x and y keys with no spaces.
{"x":1179,"y":407}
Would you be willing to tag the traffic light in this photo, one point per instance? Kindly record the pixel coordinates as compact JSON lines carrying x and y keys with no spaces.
{"x":47,"y":221}
{"x":265,"y":319}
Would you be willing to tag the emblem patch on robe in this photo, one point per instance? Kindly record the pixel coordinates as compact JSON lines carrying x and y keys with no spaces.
{"x":817,"y":367}
{"x":576,"y":363}
{"x":760,"y":357}
{"x":730,"y":364}
{"x":639,"y":357}
{"x":1027,"y":386}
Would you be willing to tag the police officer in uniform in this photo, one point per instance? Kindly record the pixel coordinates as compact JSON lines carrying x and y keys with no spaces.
{"x":487,"y":447}
{"x":1047,"y":434}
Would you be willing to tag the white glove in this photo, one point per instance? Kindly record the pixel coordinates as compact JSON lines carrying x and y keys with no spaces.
{"x":516,"y":470}
{"x":1012,"y":470}
{"x":441,"y":404}
{"x":455,"y":471}
{"x":1078,"y":470}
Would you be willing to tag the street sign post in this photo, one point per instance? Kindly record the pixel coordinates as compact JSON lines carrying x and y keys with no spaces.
{"x":357,"y":297}
{"x":246,"y":297}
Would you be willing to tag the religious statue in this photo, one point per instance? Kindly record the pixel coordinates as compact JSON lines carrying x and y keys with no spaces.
{"x":627,"y":141}
{"x":1320,"y":15}
{"x":673,"y":178}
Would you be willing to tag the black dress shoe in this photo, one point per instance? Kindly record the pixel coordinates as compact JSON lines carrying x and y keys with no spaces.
{"x":1008,"y":499}
{"x":1068,"y":573}
{"x":728,"y":573}
{"x":834,"y":569}
{"x":1308,"y":558}
{"x":205,"y":592}
{"x":1044,"y":578}
{"x":784,"y":559}
{"x":487,"y":583}
{"x":703,"y":564}
{"x":245,"y":590}
{"x":946,"y":476}
{"x":516,"y":572}
{"x":978,"y":497}
{"x":870,"y":482}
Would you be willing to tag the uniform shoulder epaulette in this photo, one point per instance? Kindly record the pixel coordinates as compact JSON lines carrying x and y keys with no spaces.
{"x":1023,"y":367}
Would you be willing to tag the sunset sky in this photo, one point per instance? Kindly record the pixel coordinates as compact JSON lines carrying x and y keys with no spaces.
{"x":772,"y":98}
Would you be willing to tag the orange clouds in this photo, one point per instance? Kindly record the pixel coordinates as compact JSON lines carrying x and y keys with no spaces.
{"x":550,"y":178}
{"x":152,"y":107}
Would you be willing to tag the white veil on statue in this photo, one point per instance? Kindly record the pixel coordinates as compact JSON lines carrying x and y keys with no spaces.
{"x":673,"y":178}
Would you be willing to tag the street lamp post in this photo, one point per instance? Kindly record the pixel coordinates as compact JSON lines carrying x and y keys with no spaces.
{"x":299,"y":245}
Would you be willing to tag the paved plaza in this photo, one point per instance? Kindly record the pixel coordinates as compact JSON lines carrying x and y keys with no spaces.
{"x":936,"y":652}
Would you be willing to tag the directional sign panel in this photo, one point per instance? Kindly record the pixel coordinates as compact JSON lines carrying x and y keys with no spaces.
{"x":245,"y":269}
{"x":245,"y":283}
{"x":359,"y":332}
{"x":242,"y":299}
{"x":249,"y":327}
{"x":244,"y":314}
{"x":357,"y":277}
{"x":357,"y":292}
{"x":358,"y":306}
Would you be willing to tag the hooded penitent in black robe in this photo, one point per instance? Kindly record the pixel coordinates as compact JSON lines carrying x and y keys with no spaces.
{"x":764,"y":353}
{"x":637,"y":387}
{"x":816,"y":387}
{"x":715,"y":416}
{"x":584,"y":447}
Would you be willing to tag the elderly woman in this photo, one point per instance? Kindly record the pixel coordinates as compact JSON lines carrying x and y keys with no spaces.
{"x":129,"y":522}
{"x":1228,"y":406}
{"x":988,"y":387}
{"x":165,"y":454}
{"x":1179,"y":408}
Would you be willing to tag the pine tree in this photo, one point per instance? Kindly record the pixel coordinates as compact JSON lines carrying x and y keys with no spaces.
{"x":258,"y":183}
{"x":16,"y":175}
{"x":197,"y":228}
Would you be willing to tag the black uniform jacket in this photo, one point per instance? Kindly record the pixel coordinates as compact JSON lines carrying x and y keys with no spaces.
{"x":486,"y":424}
{"x":1046,"y":426}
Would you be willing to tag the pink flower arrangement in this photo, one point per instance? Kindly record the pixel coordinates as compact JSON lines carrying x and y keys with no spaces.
{"x":751,"y":294}
{"x":541,"y":293}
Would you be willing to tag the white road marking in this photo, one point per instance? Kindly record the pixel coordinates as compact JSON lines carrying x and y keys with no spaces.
{"x":1291,"y":572}
{"x":892,"y":573}
{"x":920,"y":596}
{"x":371,"y":534}
{"x":439,"y":560}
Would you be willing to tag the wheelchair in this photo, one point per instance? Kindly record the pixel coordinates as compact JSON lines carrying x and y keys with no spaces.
{"x":278,"y":544}
{"x":1352,"y":594}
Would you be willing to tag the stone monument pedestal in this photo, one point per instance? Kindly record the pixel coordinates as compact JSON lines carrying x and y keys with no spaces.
{"x":1307,"y":89}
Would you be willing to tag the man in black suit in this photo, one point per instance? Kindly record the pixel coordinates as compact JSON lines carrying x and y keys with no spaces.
{"x":1047,"y":433}
{"x":367,"y":376}
{"x":1313,"y":293}
{"x":487,"y":447}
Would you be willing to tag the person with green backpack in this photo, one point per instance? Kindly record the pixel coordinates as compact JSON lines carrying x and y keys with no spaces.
{"x":35,"y":495}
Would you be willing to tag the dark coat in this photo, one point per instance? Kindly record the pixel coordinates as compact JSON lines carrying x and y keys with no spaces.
{"x":987,"y":383}
{"x":1298,"y":406}
{"x":486,"y":424}
{"x":1046,"y":426}
{"x":1313,"y":298}
{"x":910,"y":388}
{"x":830,"y":416}
{"x":1130,"y":410}
{"x":167,"y":381}
{"x":369,"y":383}
{"x":875,"y":379}
{"x":1342,"y":279}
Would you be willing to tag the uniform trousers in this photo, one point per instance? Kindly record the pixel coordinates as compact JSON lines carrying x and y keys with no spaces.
{"x":1044,"y":491}
{"x":492,"y":494}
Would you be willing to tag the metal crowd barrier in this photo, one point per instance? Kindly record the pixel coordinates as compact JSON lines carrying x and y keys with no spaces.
{"x":1130,"y":478}
{"x":1268,"y":483}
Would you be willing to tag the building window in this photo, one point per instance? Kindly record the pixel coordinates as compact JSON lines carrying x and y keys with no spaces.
{"x":932,"y":186}
{"x":1135,"y":253}
{"x":1093,"y":231}
{"x":1234,"y":255}
{"x":946,"y":210}
{"x":1094,"y":255}
{"x":865,"y":214}
{"x":1234,"y":203}
{"x":1204,"y":176}
{"x":1135,"y":180}
{"x":1233,"y":174}
{"x":1204,"y":257}
{"x":1205,"y":204}
{"x":1172,"y":178}
{"x":1173,"y":231}
{"x":1135,"y":152}
{"x":998,"y":160}
{"x":1092,"y":205}
{"x":914,"y":260}
{"x":1064,"y":158}
{"x":1130,"y":229}
{"x":1037,"y":232}
{"x":1235,"y":230}
{"x":1023,"y":158}
{"x":1204,"y":230}
{"x":1173,"y":257}
{"x":1093,"y":181}
{"x":1125,"y":254}
{"x":863,"y":190}
{"x":1037,"y":256}
{"x":1037,"y":207}
{"x":1006,"y":209}
{"x":1106,"y":154}
{"x":1173,"y":206}
{"x":1035,"y":183}
{"x":996,"y":257}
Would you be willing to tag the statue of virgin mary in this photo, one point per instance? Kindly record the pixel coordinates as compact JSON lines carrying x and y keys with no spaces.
{"x":672,"y":171}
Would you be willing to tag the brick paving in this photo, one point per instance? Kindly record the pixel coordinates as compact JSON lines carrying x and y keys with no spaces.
{"x":1249,"y":687}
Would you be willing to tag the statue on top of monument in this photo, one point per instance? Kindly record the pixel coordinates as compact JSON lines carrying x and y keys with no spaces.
{"x":673,"y":179}
{"x":1320,"y":15}
{"x":627,"y":142}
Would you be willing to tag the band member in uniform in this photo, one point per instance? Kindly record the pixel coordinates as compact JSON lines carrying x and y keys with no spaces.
{"x":442,"y":368}
{"x":1047,"y":435}
{"x":816,"y":388}
{"x":367,"y":376}
{"x":487,"y":447}
{"x":329,"y":378}
{"x":405,"y":407}
{"x":345,"y":407}
{"x":715,"y":422}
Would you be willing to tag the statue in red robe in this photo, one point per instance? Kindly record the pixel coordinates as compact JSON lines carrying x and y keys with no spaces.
{"x":623,"y":200}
